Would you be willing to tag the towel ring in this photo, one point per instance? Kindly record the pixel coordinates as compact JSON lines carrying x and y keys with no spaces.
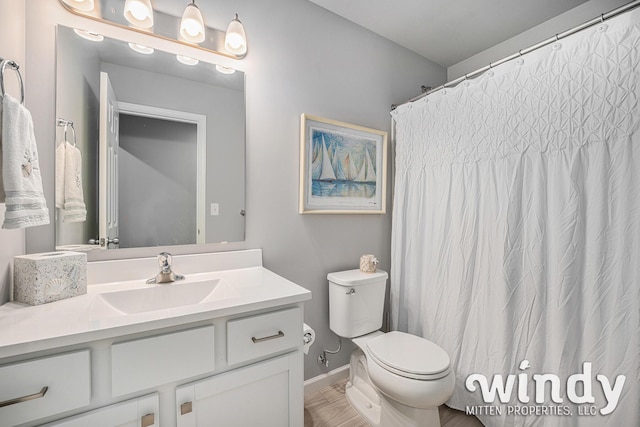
{"x":14,"y":66}
{"x":66,"y":124}
{"x":70,"y":125}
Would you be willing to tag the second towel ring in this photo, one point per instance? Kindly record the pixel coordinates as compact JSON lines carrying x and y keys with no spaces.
{"x":67,"y":124}
{"x":14,"y":66}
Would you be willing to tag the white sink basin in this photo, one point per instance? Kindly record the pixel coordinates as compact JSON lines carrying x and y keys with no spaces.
{"x":166,"y":296}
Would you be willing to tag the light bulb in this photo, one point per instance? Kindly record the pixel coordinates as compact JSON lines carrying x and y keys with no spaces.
{"x":236,"y":40}
{"x":192,"y":24}
{"x":139,"y":13}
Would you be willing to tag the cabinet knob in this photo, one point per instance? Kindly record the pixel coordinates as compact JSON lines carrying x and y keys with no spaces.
{"x":148,"y":420}
{"x":186,"y":408}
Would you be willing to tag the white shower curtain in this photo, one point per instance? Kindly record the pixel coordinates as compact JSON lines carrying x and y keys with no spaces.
{"x":516,"y":227}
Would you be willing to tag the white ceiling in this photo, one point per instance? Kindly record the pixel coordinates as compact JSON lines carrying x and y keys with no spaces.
{"x":448,"y":31}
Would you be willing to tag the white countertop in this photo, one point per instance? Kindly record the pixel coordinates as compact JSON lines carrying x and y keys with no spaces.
{"x":25,"y":329}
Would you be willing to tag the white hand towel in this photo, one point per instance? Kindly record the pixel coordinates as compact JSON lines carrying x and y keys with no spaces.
{"x":60,"y":160}
{"x":74,"y":207}
{"x":25,"y":202}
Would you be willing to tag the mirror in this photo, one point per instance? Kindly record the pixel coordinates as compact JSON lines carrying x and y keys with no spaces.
{"x":155,"y":152}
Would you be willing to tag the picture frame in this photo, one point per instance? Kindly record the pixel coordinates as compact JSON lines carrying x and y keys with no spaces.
{"x":343,"y":168}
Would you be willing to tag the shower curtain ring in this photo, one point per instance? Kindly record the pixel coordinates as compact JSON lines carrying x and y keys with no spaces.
{"x":557,"y":38}
{"x":602,"y":18}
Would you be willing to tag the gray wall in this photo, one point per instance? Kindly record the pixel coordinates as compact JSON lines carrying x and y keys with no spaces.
{"x":563,"y":22}
{"x":302,"y":59}
{"x":156,"y":163}
{"x":225,"y":156}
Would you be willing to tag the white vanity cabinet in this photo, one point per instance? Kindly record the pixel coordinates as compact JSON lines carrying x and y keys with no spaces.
{"x":232,"y":357}
{"x":239,"y":370}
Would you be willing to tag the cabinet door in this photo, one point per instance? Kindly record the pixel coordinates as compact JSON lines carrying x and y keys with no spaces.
{"x":266,"y":394}
{"x":140,"y":412}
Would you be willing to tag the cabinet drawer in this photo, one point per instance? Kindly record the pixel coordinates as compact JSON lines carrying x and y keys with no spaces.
{"x":142,"y":411}
{"x":50,"y":385}
{"x":149,"y":362}
{"x":262,"y":335}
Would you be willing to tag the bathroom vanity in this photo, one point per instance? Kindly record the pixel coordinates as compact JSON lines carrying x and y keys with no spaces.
{"x":222,"y":347}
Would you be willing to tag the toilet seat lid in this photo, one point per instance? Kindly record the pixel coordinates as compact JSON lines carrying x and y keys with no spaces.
{"x":409,"y":355}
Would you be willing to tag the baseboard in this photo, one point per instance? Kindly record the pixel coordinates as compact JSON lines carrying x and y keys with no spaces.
{"x":324,"y":380}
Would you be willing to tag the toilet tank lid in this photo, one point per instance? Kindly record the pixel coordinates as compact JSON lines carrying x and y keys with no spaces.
{"x":356,"y":277}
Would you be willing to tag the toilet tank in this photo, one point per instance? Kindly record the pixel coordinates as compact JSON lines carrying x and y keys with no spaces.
{"x":356,"y":302}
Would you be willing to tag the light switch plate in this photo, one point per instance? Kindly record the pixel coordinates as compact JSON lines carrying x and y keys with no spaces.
{"x":215,"y":209}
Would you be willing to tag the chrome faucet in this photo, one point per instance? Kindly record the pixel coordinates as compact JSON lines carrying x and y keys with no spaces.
{"x":165,"y":275}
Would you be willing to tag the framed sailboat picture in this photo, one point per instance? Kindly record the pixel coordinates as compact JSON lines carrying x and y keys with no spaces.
{"x":342,"y":168}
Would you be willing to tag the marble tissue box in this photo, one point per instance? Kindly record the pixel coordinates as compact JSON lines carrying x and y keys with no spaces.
{"x":47,"y":277}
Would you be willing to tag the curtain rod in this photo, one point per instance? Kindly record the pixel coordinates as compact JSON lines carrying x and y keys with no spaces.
{"x":615,"y":12}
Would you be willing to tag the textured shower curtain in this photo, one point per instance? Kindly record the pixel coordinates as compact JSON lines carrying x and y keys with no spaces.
{"x":516,"y":231}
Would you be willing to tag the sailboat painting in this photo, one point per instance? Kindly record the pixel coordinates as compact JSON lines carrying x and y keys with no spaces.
{"x":343,"y":167}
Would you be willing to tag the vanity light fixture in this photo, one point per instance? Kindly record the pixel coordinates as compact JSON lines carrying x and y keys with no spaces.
{"x":139,"y":13}
{"x":225,"y":70}
{"x":192,"y":24}
{"x":83,"y":5}
{"x":236,"y":40}
{"x":145,"y":50}
{"x":191,"y":28}
{"x":186,"y":60}
{"x":89,"y":35}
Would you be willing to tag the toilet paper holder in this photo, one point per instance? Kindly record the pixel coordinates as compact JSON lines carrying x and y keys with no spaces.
{"x":307,"y":338}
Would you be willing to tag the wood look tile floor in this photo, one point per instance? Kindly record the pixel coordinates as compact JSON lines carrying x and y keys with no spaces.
{"x":329,"y":408}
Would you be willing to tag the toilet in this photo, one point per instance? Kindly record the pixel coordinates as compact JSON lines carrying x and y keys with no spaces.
{"x":396,"y":379}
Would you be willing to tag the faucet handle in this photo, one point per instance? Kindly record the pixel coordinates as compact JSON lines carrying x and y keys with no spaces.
{"x":164,"y":261}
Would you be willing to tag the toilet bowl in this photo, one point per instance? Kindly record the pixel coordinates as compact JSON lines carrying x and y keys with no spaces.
{"x":396,"y":379}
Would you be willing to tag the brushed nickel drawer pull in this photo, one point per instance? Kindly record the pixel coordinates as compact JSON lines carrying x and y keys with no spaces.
{"x":148,"y":420}
{"x":186,"y":408}
{"x":255,"y":340}
{"x":25,"y":398}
